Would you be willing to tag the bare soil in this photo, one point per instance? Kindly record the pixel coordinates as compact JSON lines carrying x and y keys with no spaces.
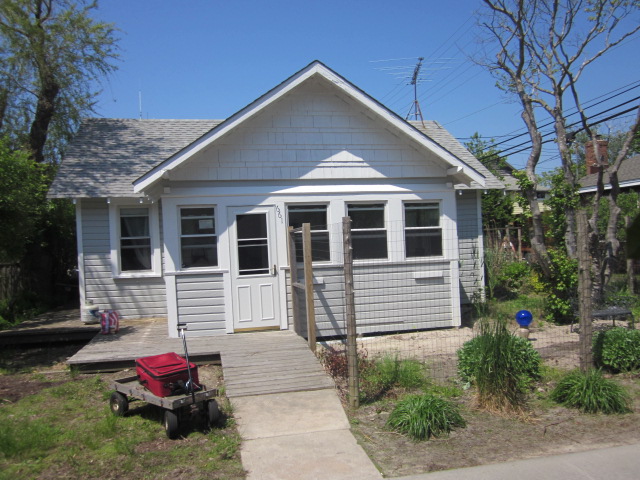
{"x":545,"y":428}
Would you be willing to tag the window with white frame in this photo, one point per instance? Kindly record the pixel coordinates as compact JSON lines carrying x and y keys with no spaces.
{"x":316,"y":216}
{"x":422,"y":229}
{"x":368,"y":231}
{"x":135,"y":240}
{"x":198,"y":240}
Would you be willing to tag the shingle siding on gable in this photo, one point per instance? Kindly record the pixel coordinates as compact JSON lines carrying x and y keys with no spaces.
{"x":333,"y":141}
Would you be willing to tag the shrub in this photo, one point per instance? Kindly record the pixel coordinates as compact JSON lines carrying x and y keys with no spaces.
{"x":562,"y":287}
{"x":501,"y":365}
{"x":617,"y":349}
{"x":591,"y":393}
{"x":514,"y":276}
{"x":335,"y":361}
{"x":424,"y":416}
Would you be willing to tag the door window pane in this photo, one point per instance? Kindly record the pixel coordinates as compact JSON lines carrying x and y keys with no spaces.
{"x":253,"y":244}
{"x":368,"y":231}
{"x":316,"y":216}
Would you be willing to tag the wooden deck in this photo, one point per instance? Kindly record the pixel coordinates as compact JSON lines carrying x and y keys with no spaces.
{"x":254,"y":363}
{"x":50,"y":327}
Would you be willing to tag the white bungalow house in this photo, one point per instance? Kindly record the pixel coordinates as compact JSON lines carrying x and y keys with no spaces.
{"x":187,"y":219}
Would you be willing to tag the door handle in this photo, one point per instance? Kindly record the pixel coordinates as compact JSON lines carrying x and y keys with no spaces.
{"x":274,"y":271}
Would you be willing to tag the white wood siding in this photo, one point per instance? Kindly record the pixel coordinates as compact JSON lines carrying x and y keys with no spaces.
{"x":470,"y":246}
{"x":131,"y":297}
{"x":388,"y":298}
{"x":200,"y":303}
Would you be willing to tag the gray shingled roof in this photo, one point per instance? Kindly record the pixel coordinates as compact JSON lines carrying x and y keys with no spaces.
{"x":442,"y":137}
{"x":107,"y":155}
{"x":629,"y":171}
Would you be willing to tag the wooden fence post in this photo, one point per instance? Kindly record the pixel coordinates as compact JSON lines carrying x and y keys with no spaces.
{"x":308,"y":285}
{"x":584,"y":291}
{"x":293,"y":274}
{"x":352,"y":346}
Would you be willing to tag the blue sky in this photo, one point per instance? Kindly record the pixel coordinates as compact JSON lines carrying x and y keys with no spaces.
{"x":210,"y":58}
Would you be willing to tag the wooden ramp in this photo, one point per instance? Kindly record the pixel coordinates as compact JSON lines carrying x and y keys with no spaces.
{"x":255,"y":363}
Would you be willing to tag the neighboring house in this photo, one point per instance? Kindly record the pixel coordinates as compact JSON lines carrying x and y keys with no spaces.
{"x":505,"y":173}
{"x":628,"y":177}
{"x":188,"y":218}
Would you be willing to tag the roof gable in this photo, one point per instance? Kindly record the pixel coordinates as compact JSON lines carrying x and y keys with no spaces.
{"x":462,"y":171}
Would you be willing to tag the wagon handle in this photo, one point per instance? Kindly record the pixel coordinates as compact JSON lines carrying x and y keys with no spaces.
{"x":183,"y":327}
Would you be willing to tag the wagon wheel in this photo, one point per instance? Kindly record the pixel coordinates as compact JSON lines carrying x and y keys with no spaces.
{"x":213,"y":412}
{"x":170,"y":424}
{"x":119,"y":404}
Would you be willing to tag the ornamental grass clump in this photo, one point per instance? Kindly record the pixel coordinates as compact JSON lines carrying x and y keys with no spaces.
{"x":590,"y":392}
{"x":423,"y":416}
{"x":502,"y":366}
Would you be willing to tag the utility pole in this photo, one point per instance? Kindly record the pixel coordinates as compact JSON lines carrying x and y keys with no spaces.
{"x":416,"y":105}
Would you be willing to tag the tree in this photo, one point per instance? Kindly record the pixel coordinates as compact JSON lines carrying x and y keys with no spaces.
{"x":52,"y":55}
{"x":497,"y":208}
{"x":544,"y":48}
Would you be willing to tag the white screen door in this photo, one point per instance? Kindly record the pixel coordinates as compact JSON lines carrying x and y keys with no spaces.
{"x":254,"y":268}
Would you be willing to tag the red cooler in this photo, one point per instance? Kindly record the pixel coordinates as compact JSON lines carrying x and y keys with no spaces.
{"x":165,"y":374}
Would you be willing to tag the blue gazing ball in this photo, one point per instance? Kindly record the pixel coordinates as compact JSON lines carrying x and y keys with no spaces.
{"x":524,"y":318}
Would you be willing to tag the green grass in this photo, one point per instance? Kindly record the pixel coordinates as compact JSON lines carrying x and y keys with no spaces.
{"x":388,"y":373}
{"x":505,"y":310}
{"x":68,"y":431}
{"x":590,"y":392}
{"x":423,"y":416}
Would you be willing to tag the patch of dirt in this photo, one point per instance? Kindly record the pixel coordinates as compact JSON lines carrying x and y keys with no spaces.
{"x":490,"y":438}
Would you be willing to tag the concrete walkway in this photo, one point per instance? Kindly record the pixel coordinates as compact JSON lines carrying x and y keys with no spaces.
{"x":617,"y":463}
{"x":299,"y":435}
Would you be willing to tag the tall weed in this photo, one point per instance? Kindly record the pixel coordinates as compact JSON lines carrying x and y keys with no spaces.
{"x":591,"y":393}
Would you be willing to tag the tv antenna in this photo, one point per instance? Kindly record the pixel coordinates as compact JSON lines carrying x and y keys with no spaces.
{"x":415,"y":106}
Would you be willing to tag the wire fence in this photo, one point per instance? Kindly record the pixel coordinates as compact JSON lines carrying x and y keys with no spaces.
{"x":408,"y":306}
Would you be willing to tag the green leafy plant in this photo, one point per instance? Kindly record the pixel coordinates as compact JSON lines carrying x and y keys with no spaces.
{"x":562,"y":287}
{"x":591,"y":393}
{"x":423,"y":416}
{"x":502,"y":366}
{"x":617,"y":349}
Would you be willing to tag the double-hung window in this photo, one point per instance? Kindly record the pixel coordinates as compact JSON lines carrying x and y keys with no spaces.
{"x":198,"y":240}
{"x":368,"y":231}
{"x":316,"y":216}
{"x":422,"y":230}
{"x":135,"y":240}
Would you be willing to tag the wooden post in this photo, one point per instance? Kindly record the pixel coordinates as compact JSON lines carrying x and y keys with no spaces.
{"x":293,"y":274}
{"x":308,"y":285}
{"x":352,"y":346}
{"x":584,"y":291}
{"x":519,"y":243}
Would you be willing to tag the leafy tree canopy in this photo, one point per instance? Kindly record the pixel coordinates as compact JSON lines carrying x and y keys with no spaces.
{"x":497,"y":208}
{"x":52,"y":55}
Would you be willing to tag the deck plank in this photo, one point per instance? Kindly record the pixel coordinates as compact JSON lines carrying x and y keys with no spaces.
{"x":255,"y":363}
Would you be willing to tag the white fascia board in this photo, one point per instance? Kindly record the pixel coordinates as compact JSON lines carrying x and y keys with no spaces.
{"x":155,"y":174}
{"x":627,"y":184}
